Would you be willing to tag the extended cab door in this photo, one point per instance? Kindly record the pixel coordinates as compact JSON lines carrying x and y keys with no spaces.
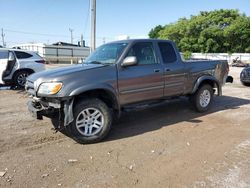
{"x":174,"y":70}
{"x":143,"y":81}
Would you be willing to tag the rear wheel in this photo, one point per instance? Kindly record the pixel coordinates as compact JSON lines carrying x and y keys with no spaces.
{"x":92,"y":121}
{"x":20,"y":78}
{"x":202,"y":98}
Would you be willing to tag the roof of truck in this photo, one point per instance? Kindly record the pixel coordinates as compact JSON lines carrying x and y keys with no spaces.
{"x":141,"y":40}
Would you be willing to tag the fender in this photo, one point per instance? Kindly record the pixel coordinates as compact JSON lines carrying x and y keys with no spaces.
{"x":107,"y":87}
{"x":207,"y":78}
{"x":68,"y":106}
{"x":86,"y":88}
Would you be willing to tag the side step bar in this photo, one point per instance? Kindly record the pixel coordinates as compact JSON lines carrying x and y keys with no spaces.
{"x":142,"y":106}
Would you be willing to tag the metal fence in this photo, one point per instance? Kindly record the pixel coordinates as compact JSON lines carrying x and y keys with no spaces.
{"x":244,"y":57}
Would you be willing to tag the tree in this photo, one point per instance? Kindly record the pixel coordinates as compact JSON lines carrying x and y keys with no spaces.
{"x":215,"y":31}
{"x":154,"y":33}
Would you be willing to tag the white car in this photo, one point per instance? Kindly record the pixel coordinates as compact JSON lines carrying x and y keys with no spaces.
{"x":16,"y":65}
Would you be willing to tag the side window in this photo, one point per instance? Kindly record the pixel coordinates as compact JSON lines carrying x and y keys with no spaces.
{"x":144,"y":52}
{"x":22,"y":55}
{"x":3,"y":54}
{"x":167,"y":52}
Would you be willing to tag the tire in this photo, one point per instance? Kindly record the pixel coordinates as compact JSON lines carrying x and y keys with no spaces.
{"x":202,"y":98}
{"x":56,"y":122}
{"x":245,"y":83}
{"x":92,"y":121}
{"x":20,"y":78}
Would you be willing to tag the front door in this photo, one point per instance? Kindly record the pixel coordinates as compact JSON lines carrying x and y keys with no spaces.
{"x":143,"y":81}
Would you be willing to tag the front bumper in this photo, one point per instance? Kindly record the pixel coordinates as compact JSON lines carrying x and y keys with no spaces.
{"x":39,"y":108}
{"x":61,"y":110}
{"x":36,"y":113}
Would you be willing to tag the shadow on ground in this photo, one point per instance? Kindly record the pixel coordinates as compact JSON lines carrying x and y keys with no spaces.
{"x":139,"y":122}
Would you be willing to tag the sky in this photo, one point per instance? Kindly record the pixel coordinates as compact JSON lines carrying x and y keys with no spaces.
{"x":48,"y":21}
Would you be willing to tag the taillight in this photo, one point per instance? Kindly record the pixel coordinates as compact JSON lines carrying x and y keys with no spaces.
{"x":41,"y":61}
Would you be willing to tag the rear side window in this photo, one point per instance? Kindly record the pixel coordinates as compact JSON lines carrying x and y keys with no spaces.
{"x":4,"y":55}
{"x":22,"y":55}
{"x":167,"y":52}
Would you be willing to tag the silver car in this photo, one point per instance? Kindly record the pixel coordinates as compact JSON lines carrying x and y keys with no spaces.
{"x":16,"y":65}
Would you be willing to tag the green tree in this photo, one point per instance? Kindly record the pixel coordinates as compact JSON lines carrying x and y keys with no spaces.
{"x":154,"y":33}
{"x":214,"y":31}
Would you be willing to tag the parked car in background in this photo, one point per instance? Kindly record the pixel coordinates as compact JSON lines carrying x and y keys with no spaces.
{"x":238,"y":63}
{"x":16,"y":65}
{"x":245,"y":76}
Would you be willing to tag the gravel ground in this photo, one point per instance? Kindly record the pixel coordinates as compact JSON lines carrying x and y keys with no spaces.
{"x":167,"y":146}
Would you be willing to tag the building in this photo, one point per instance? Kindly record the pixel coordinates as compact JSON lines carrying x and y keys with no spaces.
{"x":60,"y":52}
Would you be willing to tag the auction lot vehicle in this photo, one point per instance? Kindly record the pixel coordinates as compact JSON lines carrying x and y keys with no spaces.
{"x":16,"y":65}
{"x":245,"y":76}
{"x":83,"y":100}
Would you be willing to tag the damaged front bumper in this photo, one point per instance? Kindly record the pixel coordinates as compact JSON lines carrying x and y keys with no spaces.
{"x":59,"y":109}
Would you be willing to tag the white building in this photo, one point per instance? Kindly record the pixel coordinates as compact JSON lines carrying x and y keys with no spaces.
{"x":59,"y":52}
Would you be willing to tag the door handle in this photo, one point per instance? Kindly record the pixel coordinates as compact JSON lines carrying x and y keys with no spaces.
{"x":156,"y":70}
{"x":167,"y":70}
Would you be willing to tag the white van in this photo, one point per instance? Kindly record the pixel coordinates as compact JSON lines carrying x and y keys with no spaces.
{"x":16,"y":65}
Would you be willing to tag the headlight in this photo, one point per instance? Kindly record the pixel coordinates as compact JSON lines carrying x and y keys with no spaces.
{"x":49,"y":88}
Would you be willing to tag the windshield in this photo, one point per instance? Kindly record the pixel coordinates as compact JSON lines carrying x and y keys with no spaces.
{"x":106,"y":54}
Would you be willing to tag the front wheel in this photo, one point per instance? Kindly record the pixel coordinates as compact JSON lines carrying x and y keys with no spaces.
{"x":202,"y":98}
{"x":92,"y":121}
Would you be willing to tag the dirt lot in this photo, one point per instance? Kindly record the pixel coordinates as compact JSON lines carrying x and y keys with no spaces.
{"x":167,"y":146}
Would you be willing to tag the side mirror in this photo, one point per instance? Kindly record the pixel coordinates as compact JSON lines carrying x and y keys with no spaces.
{"x":11,"y":56}
{"x":129,"y":61}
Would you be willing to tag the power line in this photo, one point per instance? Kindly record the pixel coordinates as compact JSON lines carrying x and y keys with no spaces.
{"x":31,"y":33}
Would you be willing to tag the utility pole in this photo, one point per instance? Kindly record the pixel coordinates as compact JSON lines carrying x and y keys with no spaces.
{"x":82,"y":45}
{"x":71,"y":34}
{"x":93,"y":26}
{"x":3,"y":35}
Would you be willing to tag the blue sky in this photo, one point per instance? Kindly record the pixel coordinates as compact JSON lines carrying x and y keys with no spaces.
{"x":49,"y":21}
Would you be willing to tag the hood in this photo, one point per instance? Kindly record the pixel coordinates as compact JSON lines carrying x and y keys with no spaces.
{"x":57,"y":73}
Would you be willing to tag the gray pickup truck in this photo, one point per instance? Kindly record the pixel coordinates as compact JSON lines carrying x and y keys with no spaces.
{"x":83,"y":100}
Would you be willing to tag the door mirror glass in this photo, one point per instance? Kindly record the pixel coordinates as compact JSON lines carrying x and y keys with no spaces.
{"x":129,"y":61}
{"x":11,"y":56}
